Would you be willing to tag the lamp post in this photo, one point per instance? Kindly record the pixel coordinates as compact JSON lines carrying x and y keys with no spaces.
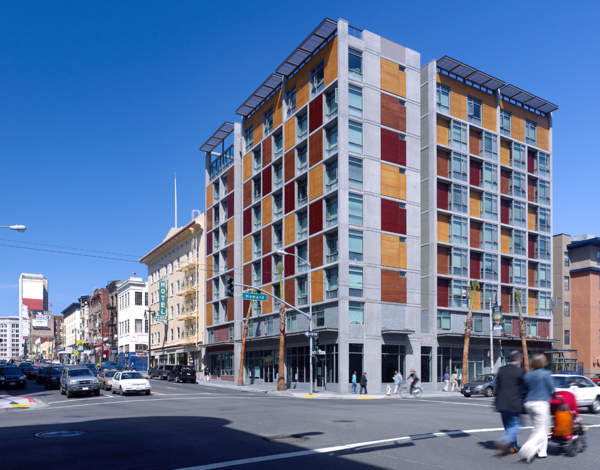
{"x":18,"y":228}
{"x":310,"y":317}
{"x":148,"y":315}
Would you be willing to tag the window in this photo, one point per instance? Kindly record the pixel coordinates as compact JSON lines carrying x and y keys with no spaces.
{"x":542,"y":192}
{"x":490,"y":266}
{"x":331,"y":279}
{"x":518,"y":272}
{"x":171,"y":290}
{"x":545,"y":274}
{"x":268,"y":122}
{"x":489,"y":146}
{"x":256,"y":216}
{"x":356,"y":313}
{"x":277,"y":294}
{"x":543,"y":216}
{"x":331,"y":141}
{"x":490,"y":294}
{"x":532,"y":327}
{"x":217,"y":215}
{"x":216,"y":191}
{"x":517,"y":156}
{"x":138,"y":298}
{"x":249,"y":138}
{"x":442,"y":99}
{"x":302,"y":295}
{"x":473,"y":111}
{"x":356,"y":245}
{"x":138,"y":325}
{"x":355,"y":209}
{"x":459,"y":262}
{"x":490,"y":206}
{"x":277,"y":175}
{"x":317,"y":79}
{"x":507,"y":327}
{"x":459,"y":167}
{"x":302,"y":252}
{"x":355,"y":281}
{"x":331,"y":106}
{"x":490,"y":176}
{"x":302,"y":225}
{"x":256,"y":275}
{"x":542,"y":164}
{"x":598,"y":257}
{"x":302,"y":160}
{"x":458,"y":198}
{"x":302,"y":193}
{"x":291,"y":102}
{"x":355,"y":136}
{"x":545,"y":309}
{"x":477,"y":323}
{"x":459,"y":230}
{"x":256,"y":244}
{"x":518,"y":186}
{"x":331,"y":241}
{"x":458,"y":136}
{"x":277,"y":145}
{"x":505,"y":122}
{"x":355,"y":65}
{"x":566,"y":258}
{"x":257,"y":189}
{"x":490,"y":236}
{"x":530,"y":132}
{"x":256,"y":160}
{"x":216,"y":258}
{"x":459,"y":293}
{"x":567,"y":337}
{"x":319,"y":316}
{"x":276,"y":260}
{"x":443,"y":320}
{"x":302,"y":126}
{"x":567,"y":309}
{"x":277,"y":236}
{"x":331,"y":212}
{"x":518,"y":214}
{"x":355,"y":101}
{"x":544,"y":247}
{"x":291,"y":322}
{"x":277,"y":206}
{"x":331,"y":176}
{"x":567,"y":283}
{"x":355,"y":178}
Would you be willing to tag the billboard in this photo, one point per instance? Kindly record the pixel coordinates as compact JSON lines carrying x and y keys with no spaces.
{"x":32,"y":294}
{"x":40,"y":320}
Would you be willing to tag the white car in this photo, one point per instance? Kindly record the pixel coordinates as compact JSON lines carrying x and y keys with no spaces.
{"x":130,"y":382}
{"x":585,"y":391}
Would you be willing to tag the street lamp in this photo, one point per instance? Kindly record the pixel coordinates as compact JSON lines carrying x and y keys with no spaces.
{"x":310,"y":317}
{"x":18,"y":228}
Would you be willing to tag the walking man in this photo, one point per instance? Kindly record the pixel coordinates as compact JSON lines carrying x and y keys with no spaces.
{"x":446,"y":381}
{"x":509,"y":402}
{"x":354,"y":386}
{"x":206,"y":374}
{"x":397,"y":381}
{"x":363,"y":383}
{"x":454,"y":381}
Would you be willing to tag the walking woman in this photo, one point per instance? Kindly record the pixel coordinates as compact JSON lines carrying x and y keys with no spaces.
{"x":538,"y":387}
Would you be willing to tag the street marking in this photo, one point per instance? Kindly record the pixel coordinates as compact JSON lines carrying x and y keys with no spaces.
{"x":156,"y":393}
{"x":347,"y":447}
{"x":308,"y":396}
{"x":366,"y":398}
{"x":20,"y":406}
{"x":453,"y":402}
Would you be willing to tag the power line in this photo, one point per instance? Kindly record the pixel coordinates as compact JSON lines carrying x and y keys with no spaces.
{"x":67,"y":253}
{"x":69,"y":248}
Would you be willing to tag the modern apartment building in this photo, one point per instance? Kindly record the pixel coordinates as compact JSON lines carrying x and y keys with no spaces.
{"x":178,"y":264}
{"x":325,"y":166}
{"x":486,"y":212}
{"x":577,"y":290}
{"x":132,"y":326}
{"x":10,"y":337}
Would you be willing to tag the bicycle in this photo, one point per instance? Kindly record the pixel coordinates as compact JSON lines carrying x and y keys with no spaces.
{"x":405,"y":390}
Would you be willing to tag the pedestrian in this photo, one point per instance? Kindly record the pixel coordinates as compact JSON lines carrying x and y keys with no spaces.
{"x":414,"y":380}
{"x":454,"y":381}
{"x":538,"y":386}
{"x":363,"y":383}
{"x":509,"y":402}
{"x":354,"y":385}
{"x":206,"y":374}
{"x":397,"y":381}
{"x":132,"y":366}
{"x":446,"y":381}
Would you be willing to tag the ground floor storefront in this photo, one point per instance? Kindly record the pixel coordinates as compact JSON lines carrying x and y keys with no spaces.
{"x":188,"y":355}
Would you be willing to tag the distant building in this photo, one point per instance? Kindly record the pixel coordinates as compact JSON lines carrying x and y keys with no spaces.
{"x":33,"y":301}
{"x":113,"y":307}
{"x":132,"y":329}
{"x":72,"y":332}
{"x":10,"y":342}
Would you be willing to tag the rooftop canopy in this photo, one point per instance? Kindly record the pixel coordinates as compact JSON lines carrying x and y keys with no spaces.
{"x":466,"y":72}
{"x":532,"y":101}
{"x":218,"y":137}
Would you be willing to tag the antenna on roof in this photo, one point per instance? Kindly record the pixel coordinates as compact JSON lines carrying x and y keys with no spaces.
{"x":175,"y":200}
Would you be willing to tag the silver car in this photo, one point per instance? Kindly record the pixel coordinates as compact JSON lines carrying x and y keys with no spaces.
{"x":78,"y":379}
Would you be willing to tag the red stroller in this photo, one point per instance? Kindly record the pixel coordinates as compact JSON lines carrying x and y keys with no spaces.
{"x":567,"y":429}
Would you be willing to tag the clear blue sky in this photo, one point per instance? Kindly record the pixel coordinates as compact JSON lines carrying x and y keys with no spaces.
{"x":102,"y":102}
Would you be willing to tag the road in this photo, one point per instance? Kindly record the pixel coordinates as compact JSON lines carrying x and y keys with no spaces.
{"x":196,"y":426}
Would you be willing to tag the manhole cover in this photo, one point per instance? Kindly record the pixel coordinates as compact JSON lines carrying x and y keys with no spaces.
{"x":342,"y":421}
{"x":294,"y":438}
{"x":59,"y":433}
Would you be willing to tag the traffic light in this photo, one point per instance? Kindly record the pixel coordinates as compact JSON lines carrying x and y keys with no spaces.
{"x":316,"y":344}
{"x":229,"y":286}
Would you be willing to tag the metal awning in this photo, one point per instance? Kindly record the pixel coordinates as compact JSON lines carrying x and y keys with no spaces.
{"x":466,"y":72}
{"x":218,"y":137}
{"x":535,"y":102}
{"x":390,"y":331}
{"x":269,"y":85}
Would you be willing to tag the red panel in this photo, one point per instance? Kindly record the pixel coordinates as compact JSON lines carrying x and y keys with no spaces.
{"x":266,"y":181}
{"x":442,"y":195}
{"x":266,"y":270}
{"x":289,"y":197}
{"x":531,"y":247}
{"x":504,"y":211}
{"x":475,"y":173}
{"x":531,"y":162}
{"x":515,"y":327}
{"x":247,"y":221}
{"x":402,"y":151}
{"x":315,"y":113}
{"x":543,"y":329}
{"x":475,"y":265}
{"x":289,"y":262}
{"x":315,"y":217}
{"x":442,"y":293}
{"x":505,"y":270}
{"x":402,"y":220}
{"x":209,"y":243}
{"x":230,"y":205}
{"x":221,"y":333}
{"x":393,"y":148}
{"x":34,"y":304}
{"x":390,"y":216}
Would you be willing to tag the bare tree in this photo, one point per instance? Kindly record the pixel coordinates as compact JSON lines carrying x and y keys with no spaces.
{"x":244,"y":335}
{"x":474,"y":287}
{"x":282,"y":319}
{"x":522,"y":331}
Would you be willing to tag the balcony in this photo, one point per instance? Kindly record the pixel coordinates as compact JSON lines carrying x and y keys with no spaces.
{"x":189,"y":312}
{"x":188,"y":339}
{"x":188,"y":265}
{"x":188,"y":288}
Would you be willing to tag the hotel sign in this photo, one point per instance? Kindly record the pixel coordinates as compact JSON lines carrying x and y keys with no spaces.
{"x":162,"y":299}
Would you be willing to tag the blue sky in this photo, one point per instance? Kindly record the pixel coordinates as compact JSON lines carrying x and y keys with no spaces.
{"x":102,"y":102}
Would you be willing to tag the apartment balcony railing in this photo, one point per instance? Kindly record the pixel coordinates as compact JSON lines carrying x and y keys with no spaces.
{"x":188,"y":313}
{"x":187,"y":339}
{"x":188,"y":288}
{"x":190,"y":264}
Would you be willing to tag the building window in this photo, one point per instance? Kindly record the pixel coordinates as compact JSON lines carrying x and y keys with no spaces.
{"x":331,"y":176}
{"x":545,"y":275}
{"x":355,"y":209}
{"x":567,"y":283}
{"x":331,"y":141}
{"x":317,"y":79}
{"x":567,"y":309}
{"x":291,"y":322}
{"x":459,"y":293}
{"x":507,"y":327}
{"x":256,"y":274}
{"x":277,"y":294}
{"x":302,"y":225}
{"x":458,"y":198}
{"x":543,"y":217}
{"x":542,"y":164}
{"x":216,"y":191}
{"x":355,"y":178}
{"x":459,"y":166}
{"x":530,"y":132}
{"x":355,"y":65}
{"x":545,"y":307}
{"x":277,"y":206}
{"x":567,"y":337}
{"x":442,"y":98}
{"x":356,"y":313}
{"x":256,"y":160}
{"x":277,"y":236}
{"x":302,"y":293}
{"x":518,"y":272}
{"x":355,"y":281}
{"x":517,"y":185}
{"x":277,"y":145}
{"x":277,"y":175}
{"x":443,"y":320}
{"x":302,"y":160}
{"x":477,"y":323}
{"x":256,"y":216}
{"x":459,"y":230}
{"x":490,"y":206}
{"x":331,"y":212}
{"x":291,"y":102}
{"x":138,"y":298}
{"x":302,"y":193}
{"x":458,"y":136}
{"x":473,"y":111}
{"x":138,"y":326}
{"x":355,"y":136}
{"x":319,"y":316}
{"x":302,"y":252}
{"x":331,"y":279}
{"x":331,"y":106}
{"x":567,"y":260}
{"x":256,"y":245}
{"x":356,"y":245}
{"x":302,"y":126}
{"x":518,"y":214}
{"x":490,"y":267}
{"x":505,"y":122}
{"x":517,"y":156}
{"x":459,"y":262}
{"x":331,"y":242}
{"x":532,"y":329}
{"x":490,"y":236}
{"x":542,"y":192}
{"x":249,"y":138}
{"x":490,"y":295}
{"x":489,"y":146}
{"x":355,"y":101}
{"x":490,"y":176}
{"x":543,"y":248}
{"x":268,"y":122}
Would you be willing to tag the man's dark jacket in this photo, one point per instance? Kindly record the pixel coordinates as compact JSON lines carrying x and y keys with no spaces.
{"x":509,"y":389}
{"x":363,"y":380}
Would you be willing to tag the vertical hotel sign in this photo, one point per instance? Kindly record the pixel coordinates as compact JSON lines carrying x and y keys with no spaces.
{"x":162,"y":299}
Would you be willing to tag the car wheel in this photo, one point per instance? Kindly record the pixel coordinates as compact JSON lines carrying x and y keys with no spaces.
{"x":467,"y":395}
{"x":489,"y":392}
{"x":147,"y":392}
{"x":121,"y":391}
{"x":69,"y":394}
{"x":96,"y":393}
{"x":24,"y":386}
{"x":113,"y":391}
{"x":595,"y":406}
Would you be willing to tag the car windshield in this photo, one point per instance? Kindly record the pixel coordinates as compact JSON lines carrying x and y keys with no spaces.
{"x":11,"y":370}
{"x":484,"y":378}
{"x":43,"y":369}
{"x":169,"y":367}
{"x":131,"y":375}
{"x":79,"y":372}
{"x":109,"y":373}
{"x":187,"y":369}
{"x":56,"y":370}
{"x":90,"y":366}
{"x":25,"y":364}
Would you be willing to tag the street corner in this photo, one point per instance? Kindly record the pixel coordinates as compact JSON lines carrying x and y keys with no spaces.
{"x":14,"y":402}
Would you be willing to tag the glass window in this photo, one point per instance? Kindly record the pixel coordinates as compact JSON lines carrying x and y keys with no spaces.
{"x":331,"y":241}
{"x":490,"y":176}
{"x":302,"y":252}
{"x":276,"y":260}
{"x":355,"y":101}
{"x":567,"y":309}
{"x":268,"y":122}
{"x":256,"y":243}
{"x":473,"y":111}
{"x":490,"y":266}
{"x":354,"y":65}
{"x":356,"y":313}
{"x":291,"y":322}
{"x":356,"y":245}
{"x":443,"y":320}
{"x":277,"y":145}
{"x":277,"y":236}
{"x":257,"y":188}
{"x":543,"y":216}
{"x":442,"y":98}
{"x":530,"y":132}
{"x":567,"y":337}
{"x":459,"y":293}
{"x":216,"y":313}
{"x":490,"y":206}
{"x":459,"y":262}
{"x":216,"y":191}
{"x":256,"y":215}
{"x":459,"y":167}
{"x":542,"y":164}
{"x":319,"y":316}
{"x":545,"y":274}
{"x":277,"y":175}
{"x":489,"y":146}
{"x":518,"y":187}
{"x":302,"y":193}
{"x":331,"y":212}
{"x":508,"y":327}
{"x":567,"y":260}
{"x":490,"y":295}
{"x":458,"y":136}
{"x":256,"y":159}
{"x":459,"y":230}
{"x":544,"y":247}
{"x":291,"y":102}
{"x":302,"y":160}
{"x":355,"y":281}
{"x":532,"y":327}
{"x":302,"y":225}
{"x":542,"y":192}
{"x":331,"y":176}
{"x":317,"y":79}
{"x":505,"y":122}
{"x":477,"y":323}
{"x":567,"y":283}
{"x":517,"y":156}
{"x":256,"y":275}
{"x":302,"y":292}
{"x":331,"y":141}
{"x":331,"y":279}
{"x":518,"y":272}
{"x":355,"y":209}
{"x":249,"y":138}
{"x":545,"y":309}
{"x":277,"y":206}
{"x":277,"y":294}
{"x":331,"y":106}
{"x":458,"y":198}
{"x":355,"y":136}
{"x":490,"y":236}
{"x":302,"y":126}
{"x":355,"y":177}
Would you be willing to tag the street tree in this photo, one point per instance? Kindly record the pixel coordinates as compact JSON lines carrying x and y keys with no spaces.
{"x":282,"y":319}
{"x":522,"y":331}
{"x":244,"y":335}
{"x":474,"y":287}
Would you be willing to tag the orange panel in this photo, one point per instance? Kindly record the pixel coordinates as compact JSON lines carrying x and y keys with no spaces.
{"x":209,"y":195}
{"x":289,"y":133}
{"x":289,"y":229}
{"x":230,"y":230}
{"x":266,"y":210}
{"x":315,"y":182}
{"x":209,"y":314}
{"x":442,"y":131}
{"x":248,"y":249}
{"x":247,"y":162}
{"x":317,"y":286}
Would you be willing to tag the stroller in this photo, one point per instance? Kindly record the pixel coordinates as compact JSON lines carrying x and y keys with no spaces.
{"x":567,"y":430}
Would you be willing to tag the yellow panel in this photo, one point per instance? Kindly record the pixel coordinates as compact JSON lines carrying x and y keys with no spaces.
{"x":443,"y":228}
{"x":230,"y":230}
{"x":248,"y":248}
{"x":390,"y":251}
{"x":267,"y":305}
{"x":505,"y":153}
{"x":477,"y":299}
{"x":289,"y":131}
{"x":266,"y":210}
{"x":543,"y":134}
{"x":442,"y":131}
{"x":403,"y":255}
{"x":317,"y":286}
{"x":531,"y":218}
{"x":315,"y":180}
{"x":505,"y":241}
{"x":488,"y":110}
{"x":402,"y":83}
{"x":393,"y":80}
{"x":331,"y":61}
{"x":390,"y":181}
{"x":209,"y":315}
{"x":402,"y":187}
{"x":247,"y":166}
{"x":290,"y":229}
{"x":531,"y":304}
{"x":475,"y":204}
{"x":209,"y":196}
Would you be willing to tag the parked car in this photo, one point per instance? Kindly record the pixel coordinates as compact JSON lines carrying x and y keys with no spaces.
{"x":484,"y":384}
{"x":130,"y":382}
{"x":161,"y":371}
{"x":105,"y":377}
{"x":52,"y":376}
{"x":33,"y":371}
{"x":11,"y":376}
{"x":78,"y":379}
{"x":596,"y":379}
{"x":40,"y":377}
{"x":113,"y":365}
{"x":182,"y":374}
{"x":566,"y":372}
{"x":586,"y":392}
{"x":90,"y":366}
{"x":24,"y":366}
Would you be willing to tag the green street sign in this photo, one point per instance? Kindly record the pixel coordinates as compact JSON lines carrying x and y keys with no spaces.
{"x":162,"y":299}
{"x":259,"y":297}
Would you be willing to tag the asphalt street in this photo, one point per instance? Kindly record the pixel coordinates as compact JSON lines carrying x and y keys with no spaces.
{"x":197,"y":426}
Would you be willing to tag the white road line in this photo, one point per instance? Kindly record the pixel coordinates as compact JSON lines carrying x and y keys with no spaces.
{"x":454,"y":402}
{"x":326,"y":450}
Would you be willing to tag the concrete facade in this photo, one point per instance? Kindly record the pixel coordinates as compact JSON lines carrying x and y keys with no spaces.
{"x":10,"y":337}
{"x":132,"y":328}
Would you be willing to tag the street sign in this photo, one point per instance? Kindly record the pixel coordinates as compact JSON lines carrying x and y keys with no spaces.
{"x":312,"y":334}
{"x":250,"y":296}
{"x":319,"y":352}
